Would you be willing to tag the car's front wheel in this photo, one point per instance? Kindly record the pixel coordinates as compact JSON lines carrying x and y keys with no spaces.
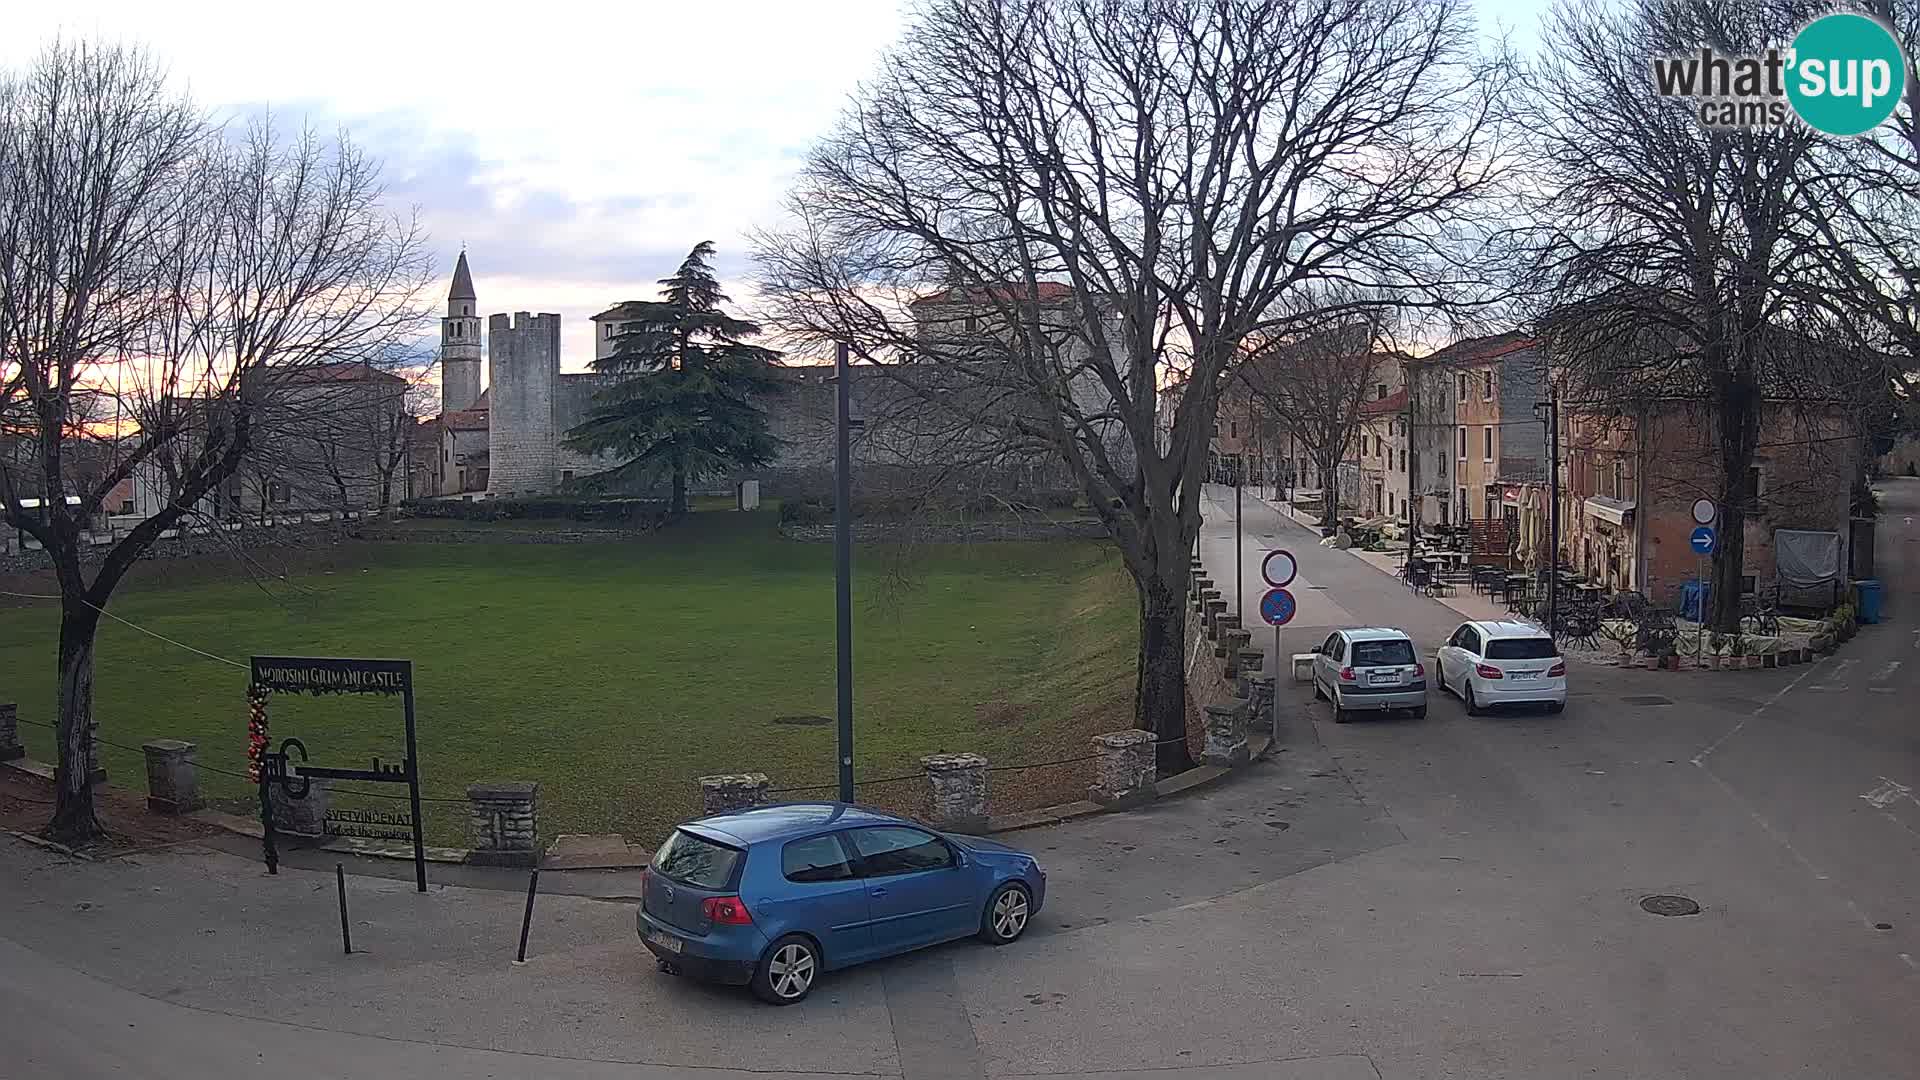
{"x":1009,"y":910}
{"x":787,"y":972}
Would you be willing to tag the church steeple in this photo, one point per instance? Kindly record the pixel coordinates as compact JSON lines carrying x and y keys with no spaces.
{"x":460,"y":343}
{"x":462,"y":284}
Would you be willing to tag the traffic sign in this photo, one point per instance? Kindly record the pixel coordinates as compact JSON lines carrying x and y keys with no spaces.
{"x":1277,"y":607}
{"x":1704,"y":512}
{"x":1702,"y":540}
{"x":1279,"y":568}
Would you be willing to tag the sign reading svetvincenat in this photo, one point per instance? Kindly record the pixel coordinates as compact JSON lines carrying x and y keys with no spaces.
{"x":1843,"y":75}
{"x":328,"y":675}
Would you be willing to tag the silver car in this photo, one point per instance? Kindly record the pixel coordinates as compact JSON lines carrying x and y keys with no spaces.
{"x":1369,"y":669}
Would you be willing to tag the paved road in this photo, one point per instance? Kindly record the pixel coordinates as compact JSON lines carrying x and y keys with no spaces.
{"x":1456,"y":897}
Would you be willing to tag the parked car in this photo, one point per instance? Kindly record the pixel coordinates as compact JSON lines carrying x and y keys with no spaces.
{"x":1503,"y":663}
{"x":1369,"y":668}
{"x":774,"y":896}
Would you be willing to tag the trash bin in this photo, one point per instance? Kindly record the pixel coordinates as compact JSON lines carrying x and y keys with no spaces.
{"x":1693,"y":597}
{"x":1868,"y":590}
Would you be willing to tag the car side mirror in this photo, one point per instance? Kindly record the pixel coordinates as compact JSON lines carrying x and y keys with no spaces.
{"x":1316,"y":650}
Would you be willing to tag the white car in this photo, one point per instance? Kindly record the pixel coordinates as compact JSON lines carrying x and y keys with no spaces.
{"x":1503,"y":663}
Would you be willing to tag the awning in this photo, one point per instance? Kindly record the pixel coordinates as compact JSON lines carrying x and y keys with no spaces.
{"x":1616,"y":511}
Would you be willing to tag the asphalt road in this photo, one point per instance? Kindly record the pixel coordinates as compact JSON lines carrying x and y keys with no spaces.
{"x":1453,"y":897}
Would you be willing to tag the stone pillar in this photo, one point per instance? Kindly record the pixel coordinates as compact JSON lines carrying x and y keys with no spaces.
{"x":1226,"y":735}
{"x":1216,"y":607}
{"x":503,"y":823}
{"x":305,"y":816}
{"x":957,"y":791}
{"x":733,"y":791}
{"x":1123,"y":773}
{"x":10,"y":747}
{"x":1260,"y":712}
{"x":173,"y":777}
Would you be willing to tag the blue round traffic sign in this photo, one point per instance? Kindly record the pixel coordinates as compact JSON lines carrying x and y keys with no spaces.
{"x":1277,"y":607}
{"x":1702,"y":540}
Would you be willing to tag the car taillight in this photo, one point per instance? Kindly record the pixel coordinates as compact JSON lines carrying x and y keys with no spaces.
{"x":1419,"y":671}
{"x":1557,"y":669}
{"x":1346,"y":674}
{"x":725,"y":910}
{"x":1488,"y":671}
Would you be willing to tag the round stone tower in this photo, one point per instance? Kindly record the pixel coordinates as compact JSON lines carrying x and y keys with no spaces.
{"x":460,"y":343}
{"x":523,"y":368}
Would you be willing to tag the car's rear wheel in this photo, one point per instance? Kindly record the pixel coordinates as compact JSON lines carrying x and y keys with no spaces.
{"x":1556,"y":706}
{"x":1466,"y":695}
{"x":1008,"y":911}
{"x":1318,"y":695}
{"x":787,"y":972}
{"x":1340,"y":715}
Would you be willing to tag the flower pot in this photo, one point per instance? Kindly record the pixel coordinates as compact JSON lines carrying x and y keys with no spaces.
{"x":1670,"y":663}
{"x":1770,"y":660}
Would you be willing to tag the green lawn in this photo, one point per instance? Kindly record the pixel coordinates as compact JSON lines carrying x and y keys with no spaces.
{"x":615,"y":673}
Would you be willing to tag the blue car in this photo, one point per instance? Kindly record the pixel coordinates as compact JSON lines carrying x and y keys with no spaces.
{"x":774,"y":896}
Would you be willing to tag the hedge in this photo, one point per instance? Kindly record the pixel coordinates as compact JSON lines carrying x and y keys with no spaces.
{"x":626,"y":513}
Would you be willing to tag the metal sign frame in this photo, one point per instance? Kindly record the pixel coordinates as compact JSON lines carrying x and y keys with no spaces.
{"x":1292,"y":567}
{"x":336,"y":675}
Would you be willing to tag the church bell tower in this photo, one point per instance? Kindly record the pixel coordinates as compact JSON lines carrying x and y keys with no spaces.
{"x":460,"y":343}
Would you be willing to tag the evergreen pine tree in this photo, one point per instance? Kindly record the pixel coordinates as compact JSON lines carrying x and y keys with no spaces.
{"x":685,"y":403}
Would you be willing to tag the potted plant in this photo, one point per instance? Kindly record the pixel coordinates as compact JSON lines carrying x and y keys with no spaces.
{"x":1622,"y":633}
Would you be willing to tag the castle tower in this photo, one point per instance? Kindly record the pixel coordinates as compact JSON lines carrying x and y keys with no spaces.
{"x":460,"y":343}
{"x":523,"y":368}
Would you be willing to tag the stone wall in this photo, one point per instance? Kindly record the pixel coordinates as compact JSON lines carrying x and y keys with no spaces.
{"x":897,"y":532}
{"x":483,"y":534}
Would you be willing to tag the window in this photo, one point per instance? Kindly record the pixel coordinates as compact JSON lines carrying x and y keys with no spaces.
{"x":1330,"y":646}
{"x":126,"y":506}
{"x":1463,"y":444}
{"x":899,"y":850}
{"x":1619,"y":479}
{"x":1486,"y":390}
{"x":1524,"y":648}
{"x":1379,"y":391}
{"x":1382,"y":653}
{"x":278,"y":492}
{"x":1486,"y":436}
{"x":445,"y":454}
{"x":609,"y":331}
{"x":1390,"y":510}
{"x":566,"y":476}
{"x":1460,"y":386}
{"x":1755,"y":489}
{"x":819,"y":859}
{"x":466,"y":309}
{"x":1233,"y":429}
{"x":696,"y":861}
{"x":1376,"y":446}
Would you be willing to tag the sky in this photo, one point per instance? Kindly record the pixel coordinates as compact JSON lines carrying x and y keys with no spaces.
{"x":576,"y":150}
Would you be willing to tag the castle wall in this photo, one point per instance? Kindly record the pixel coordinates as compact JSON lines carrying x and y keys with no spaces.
{"x":523,"y":359}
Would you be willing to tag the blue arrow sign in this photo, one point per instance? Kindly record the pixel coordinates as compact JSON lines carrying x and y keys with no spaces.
{"x":1702,"y":540}
{"x":1277,"y":607}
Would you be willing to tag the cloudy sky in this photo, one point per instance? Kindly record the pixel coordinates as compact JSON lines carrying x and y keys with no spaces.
{"x":577,"y":150}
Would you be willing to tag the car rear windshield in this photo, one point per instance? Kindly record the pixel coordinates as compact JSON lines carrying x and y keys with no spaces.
{"x":696,"y":861}
{"x":1382,"y":653}
{"x":1521,"y":648}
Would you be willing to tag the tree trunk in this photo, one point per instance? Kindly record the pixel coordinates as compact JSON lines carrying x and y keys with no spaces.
{"x":1739,"y":431}
{"x":73,"y":818}
{"x":1329,"y":495}
{"x":1160,"y":691}
{"x":679,"y":506}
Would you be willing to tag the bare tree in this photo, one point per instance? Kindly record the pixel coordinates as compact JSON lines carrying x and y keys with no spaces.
{"x":1103,"y":196}
{"x":1676,"y":261}
{"x":188,"y":275}
{"x":1314,"y":385}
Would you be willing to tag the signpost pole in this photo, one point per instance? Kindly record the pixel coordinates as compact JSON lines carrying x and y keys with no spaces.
{"x":1239,"y":558}
{"x":843,"y":566}
{"x":413,"y":792}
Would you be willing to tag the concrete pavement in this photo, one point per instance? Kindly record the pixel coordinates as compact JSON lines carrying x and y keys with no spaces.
{"x":1453,"y":897}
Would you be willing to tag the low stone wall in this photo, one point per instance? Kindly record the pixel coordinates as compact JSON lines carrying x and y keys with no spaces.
{"x":483,"y":534}
{"x":192,"y":545}
{"x":958,"y":532}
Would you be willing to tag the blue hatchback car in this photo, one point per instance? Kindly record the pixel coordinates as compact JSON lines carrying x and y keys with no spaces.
{"x":774,"y":896}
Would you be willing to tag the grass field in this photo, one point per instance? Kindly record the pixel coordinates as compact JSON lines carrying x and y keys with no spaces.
{"x":615,"y":673}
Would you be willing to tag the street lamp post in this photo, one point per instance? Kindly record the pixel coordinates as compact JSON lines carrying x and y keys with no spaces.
{"x":843,"y":565}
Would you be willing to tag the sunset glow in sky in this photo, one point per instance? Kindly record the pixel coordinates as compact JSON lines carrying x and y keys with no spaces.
{"x":576,"y":150}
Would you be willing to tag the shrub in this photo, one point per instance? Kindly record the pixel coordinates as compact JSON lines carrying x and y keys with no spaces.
{"x":624,"y":513}
{"x":805,"y":512}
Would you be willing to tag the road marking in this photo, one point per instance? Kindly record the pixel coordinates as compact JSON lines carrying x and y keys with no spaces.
{"x":1887,"y":792}
{"x":1701,"y":757}
{"x":1886,"y":673}
{"x":1839,"y":668}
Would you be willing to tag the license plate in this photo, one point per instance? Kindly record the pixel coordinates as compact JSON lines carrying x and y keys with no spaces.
{"x":666,"y":941}
{"x":1523,"y":675}
{"x":1383,"y":679}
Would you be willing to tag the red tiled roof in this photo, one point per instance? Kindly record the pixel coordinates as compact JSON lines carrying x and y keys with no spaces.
{"x":1043,"y":290}
{"x":1392,"y":403}
{"x":468,"y":420}
{"x":1480,"y":350}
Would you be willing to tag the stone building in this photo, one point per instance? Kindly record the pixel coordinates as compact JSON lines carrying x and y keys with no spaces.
{"x":506,"y":440}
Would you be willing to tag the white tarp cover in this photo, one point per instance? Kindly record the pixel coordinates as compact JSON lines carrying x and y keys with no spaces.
{"x":1805,"y":559}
